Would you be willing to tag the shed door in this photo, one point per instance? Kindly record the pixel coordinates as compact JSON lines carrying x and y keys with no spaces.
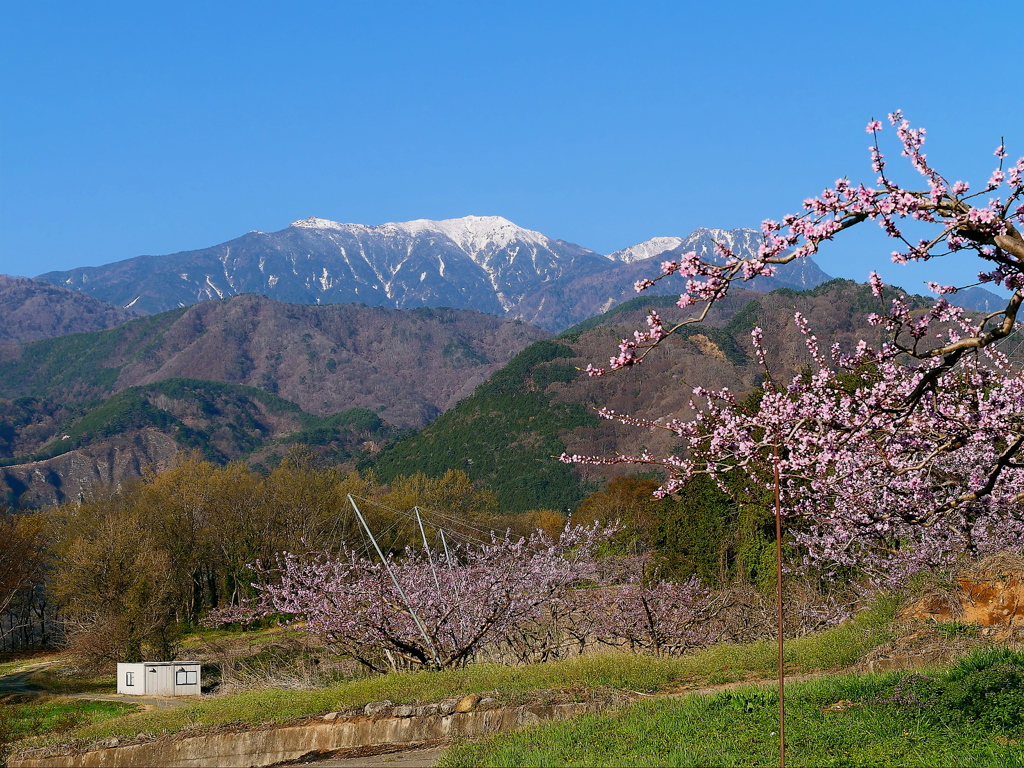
{"x":160,"y":681}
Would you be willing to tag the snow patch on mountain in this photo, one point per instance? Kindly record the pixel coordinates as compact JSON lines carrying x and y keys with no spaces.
{"x":476,"y":234}
{"x":742,"y":242}
{"x":645,"y":250}
{"x":314,"y":222}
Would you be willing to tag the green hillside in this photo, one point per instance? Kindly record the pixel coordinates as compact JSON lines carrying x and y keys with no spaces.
{"x":504,"y":436}
{"x":224,"y":422}
{"x":82,"y":365}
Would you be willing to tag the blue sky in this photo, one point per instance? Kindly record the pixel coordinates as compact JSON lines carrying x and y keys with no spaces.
{"x":141,"y":128}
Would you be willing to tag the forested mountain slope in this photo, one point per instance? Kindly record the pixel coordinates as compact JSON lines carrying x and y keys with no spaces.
{"x":103,"y":406}
{"x":507,"y":434}
{"x":148,"y":427}
{"x":245,"y":378}
{"x":35,"y":309}
{"x":408,"y":366}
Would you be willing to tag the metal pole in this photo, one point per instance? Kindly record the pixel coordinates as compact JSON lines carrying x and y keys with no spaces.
{"x":430,"y":557}
{"x":455,"y":581}
{"x":444,"y":544}
{"x":778,"y":601}
{"x":394,"y":580}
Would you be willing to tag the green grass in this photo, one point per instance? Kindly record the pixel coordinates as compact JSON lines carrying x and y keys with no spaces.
{"x":201,"y":637}
{"x":10,"y":667}
{"x":831,"y":649}
{"x":580,"y":678}
{"x":56,"y":715}
{"x":825,"y":726}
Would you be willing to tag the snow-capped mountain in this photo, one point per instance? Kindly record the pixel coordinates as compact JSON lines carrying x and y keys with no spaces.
{"x":801,"y":274}
{"x":646,"y":250}
{"x":476,"y":262}
{"x":572,"y":299}
{"x":485,"y":263}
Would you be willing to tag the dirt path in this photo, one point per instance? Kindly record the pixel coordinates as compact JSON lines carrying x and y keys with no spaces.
{"x":421,"y":756}
{"x":17,"y":682}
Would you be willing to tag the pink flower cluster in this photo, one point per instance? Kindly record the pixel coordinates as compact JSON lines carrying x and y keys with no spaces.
{"x":990,"y":229}
{"x":451,"y":609}
{"x":889,"y":471}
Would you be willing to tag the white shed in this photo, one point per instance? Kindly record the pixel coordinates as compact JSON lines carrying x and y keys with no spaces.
{"x":160,"y":678}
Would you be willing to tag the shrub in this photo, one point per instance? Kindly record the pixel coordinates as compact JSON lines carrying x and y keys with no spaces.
{"x":993,"y":697}
{"x":985,"y":687}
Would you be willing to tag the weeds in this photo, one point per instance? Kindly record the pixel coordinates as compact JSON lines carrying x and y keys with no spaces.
{"x":35,"y":717}
{"x":59,"y":680}
{"x":951,"y":630}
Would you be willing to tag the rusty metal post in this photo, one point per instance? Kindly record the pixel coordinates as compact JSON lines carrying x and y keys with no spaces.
{"x":778,"y":602}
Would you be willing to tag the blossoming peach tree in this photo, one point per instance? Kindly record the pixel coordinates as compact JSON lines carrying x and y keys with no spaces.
{"x":896,"y":457}
{"x":442,"y":611}
{"x":893,"y":458}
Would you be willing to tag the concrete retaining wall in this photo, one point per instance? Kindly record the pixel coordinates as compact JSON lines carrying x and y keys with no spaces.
{"x":265,"y":747}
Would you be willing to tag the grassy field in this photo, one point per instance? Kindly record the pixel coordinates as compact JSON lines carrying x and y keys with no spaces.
{"x":583,"y":678}
{"x":55,"y":716}
{"x":13,"y":663}
{"x":57,"y":681}
{"x":831,"y":721}
{"x":836,"y":720}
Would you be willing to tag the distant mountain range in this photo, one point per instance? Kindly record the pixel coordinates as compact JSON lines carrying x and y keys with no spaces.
{"x":485,"y":263}
{"x":97,"y":383}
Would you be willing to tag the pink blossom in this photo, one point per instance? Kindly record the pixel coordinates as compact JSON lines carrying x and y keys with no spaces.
{"x":876,"y":283}
{"x":921,"y":464}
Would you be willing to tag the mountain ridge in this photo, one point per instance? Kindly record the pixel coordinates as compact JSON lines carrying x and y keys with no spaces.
{"x":406,"y":365}
{"x":35,"y":309}
{"x":486,"y":263}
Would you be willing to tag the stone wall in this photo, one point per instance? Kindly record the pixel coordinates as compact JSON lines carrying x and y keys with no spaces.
{"x":273,"y":745}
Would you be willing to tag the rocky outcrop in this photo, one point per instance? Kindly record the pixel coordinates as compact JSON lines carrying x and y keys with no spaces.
{"x":988,"y":593}
{"x":66,"y":477}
